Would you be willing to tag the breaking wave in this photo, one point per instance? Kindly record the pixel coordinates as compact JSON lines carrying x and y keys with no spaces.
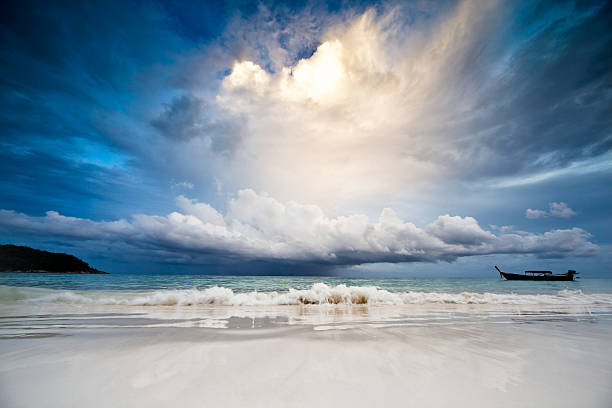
{"x":319,"y":293}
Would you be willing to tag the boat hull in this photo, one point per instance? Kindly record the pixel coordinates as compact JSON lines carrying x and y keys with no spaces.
{"x":516,"y":276}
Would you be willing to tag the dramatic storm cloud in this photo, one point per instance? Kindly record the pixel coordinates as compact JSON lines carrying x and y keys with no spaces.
{"x":497,"y":111}
{"x":382,"y":105}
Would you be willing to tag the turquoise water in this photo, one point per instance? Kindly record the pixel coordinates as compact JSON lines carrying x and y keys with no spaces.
{"x":280,"y":284}
{"x":62,"y":301}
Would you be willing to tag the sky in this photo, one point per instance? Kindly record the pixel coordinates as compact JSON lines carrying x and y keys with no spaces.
{"x":412,"y":138}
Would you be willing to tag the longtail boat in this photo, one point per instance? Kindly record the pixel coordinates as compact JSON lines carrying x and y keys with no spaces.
{"x":538,"y":275}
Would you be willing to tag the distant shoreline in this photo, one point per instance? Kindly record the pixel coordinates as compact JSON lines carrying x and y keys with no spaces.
{"x":22,"y":259}
{"x":66,"y":272}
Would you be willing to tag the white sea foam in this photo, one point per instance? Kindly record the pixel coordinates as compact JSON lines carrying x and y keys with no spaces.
{"x":319,"y":293}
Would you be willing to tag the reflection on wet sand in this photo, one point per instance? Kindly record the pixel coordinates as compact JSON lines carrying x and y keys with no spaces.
{"x":60,"y":318}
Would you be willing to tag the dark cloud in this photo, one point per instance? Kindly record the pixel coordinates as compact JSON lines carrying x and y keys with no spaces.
{"x":189,"y":117}
{"x":526,"y":91}
{"x":543,"y":89}
{"x":183,"y":119}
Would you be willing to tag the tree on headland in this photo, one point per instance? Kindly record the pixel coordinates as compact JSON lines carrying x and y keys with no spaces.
{"x":15,"y":258}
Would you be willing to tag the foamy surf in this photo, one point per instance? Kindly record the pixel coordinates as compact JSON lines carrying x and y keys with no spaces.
{"x":317,"y":294}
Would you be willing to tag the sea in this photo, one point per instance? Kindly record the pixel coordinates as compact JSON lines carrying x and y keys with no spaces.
{"x":326,"y":302}
{"x":252,"y":290}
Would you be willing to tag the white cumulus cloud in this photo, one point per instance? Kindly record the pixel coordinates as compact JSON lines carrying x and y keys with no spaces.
{"x":561,"y":210}
{"x":257,"y":226}
{"x":554,"y":210}
{"x":529,"y":213}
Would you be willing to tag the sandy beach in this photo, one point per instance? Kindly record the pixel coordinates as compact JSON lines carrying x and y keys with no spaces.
{"x":319,"y":355}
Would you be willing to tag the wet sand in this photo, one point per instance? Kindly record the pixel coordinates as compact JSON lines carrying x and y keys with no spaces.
{"x":541,"y":361}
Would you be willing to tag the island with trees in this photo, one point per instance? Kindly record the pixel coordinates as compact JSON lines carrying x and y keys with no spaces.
{"x":23,"y":259}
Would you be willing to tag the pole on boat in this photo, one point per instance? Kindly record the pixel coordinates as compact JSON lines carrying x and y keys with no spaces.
{"x":500,"y":272}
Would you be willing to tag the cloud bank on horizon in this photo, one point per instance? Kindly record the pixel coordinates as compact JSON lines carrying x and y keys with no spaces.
{"x":258,"y":227}
{"x":489,"y":109}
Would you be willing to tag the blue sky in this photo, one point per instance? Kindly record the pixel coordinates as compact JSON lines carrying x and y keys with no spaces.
{"x":400,"y":138}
